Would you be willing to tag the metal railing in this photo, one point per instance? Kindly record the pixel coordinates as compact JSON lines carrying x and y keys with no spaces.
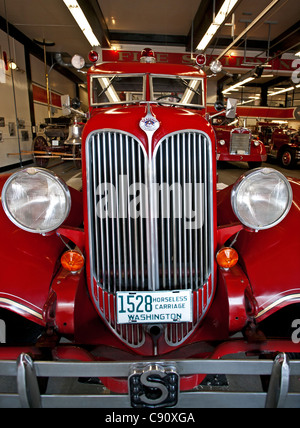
{"x":27,"y":372}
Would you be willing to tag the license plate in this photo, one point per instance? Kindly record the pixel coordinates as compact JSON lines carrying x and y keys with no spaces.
{"x":154,"y":307}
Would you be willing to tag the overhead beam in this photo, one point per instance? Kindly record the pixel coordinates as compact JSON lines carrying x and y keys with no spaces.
{"x":277,"y":81}
{"x":201,"y":22}
{"x":249,"y":27}
{"x":255,"y":45}
{"x":288,"y":40}
{"x":157,"y":39}
{"x":94,"y":15}
{"x":204,"y":18}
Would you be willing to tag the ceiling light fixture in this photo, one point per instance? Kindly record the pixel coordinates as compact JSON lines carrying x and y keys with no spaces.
{"x":12,"y":65}
{"x":251,"y":100}
{"x":81,"y":20}
{"x":291,"y":88}
{"x":243,"y":82}
{"x":225,"y":10}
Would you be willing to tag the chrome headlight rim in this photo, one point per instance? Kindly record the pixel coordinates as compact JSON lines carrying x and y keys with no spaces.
{"x":237,"y":185}
{"x":50,"y":175}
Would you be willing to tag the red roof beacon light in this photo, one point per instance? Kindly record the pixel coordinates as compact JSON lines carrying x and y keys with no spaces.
{"x":93,"y":56}
{"x":147,"y":55}
{"x":201,"y":60}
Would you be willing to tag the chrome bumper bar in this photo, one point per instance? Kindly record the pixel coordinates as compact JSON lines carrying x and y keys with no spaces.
{"x":27,"y":372}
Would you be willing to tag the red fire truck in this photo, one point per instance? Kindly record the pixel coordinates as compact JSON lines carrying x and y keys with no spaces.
{"x":282,"y":143}
{"x":236,"y":143}
{"x":147,"y":279}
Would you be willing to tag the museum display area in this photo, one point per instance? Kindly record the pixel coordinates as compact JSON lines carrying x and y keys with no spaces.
{"x":150,"y":193}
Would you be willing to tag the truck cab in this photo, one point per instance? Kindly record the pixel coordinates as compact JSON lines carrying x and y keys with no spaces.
{"x":146,"y":276}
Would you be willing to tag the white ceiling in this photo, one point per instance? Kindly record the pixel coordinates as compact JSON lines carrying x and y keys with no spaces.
{"x":153,"y":17}
{"x":51,"y":20}
{"x":166,"y":23}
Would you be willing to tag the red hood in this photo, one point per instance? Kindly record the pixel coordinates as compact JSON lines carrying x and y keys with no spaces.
{"x":127,"y":119}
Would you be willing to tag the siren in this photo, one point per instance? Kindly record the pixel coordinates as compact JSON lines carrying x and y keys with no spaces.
{"x":147,"y":55}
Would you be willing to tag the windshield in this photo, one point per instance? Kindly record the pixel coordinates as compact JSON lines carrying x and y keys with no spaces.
{"x":117,"y":89}
{"x":177,"y":90}
{"x":164,"y":89}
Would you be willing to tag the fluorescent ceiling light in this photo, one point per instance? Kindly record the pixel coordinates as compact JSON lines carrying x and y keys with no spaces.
{"x":249,"y":101}
{"x":81,"y":20}
{"x":225,"y":10}
{"x":243,"y":82}
{"x":282,"y":91}
{"x":298,"y":53}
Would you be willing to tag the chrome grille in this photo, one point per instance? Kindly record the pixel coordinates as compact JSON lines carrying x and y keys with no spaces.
{"x":118,"y":242}
{"x":181,"y":162}
{"x":185,"y":250}
{"x":121,"y":255}
{"x":240,"y":143}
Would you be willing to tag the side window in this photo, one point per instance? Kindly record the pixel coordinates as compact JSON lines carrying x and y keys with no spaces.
{"x":2,"y":332}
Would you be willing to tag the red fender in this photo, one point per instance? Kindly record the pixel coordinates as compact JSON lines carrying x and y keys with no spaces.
{"x":29,"y":262}
{"x":269,"y":257}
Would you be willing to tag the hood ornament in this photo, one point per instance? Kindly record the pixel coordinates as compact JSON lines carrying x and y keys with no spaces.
{"x":149,"y":123}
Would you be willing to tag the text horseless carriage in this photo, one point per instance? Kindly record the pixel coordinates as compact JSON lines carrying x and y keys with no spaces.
{"x":150,"y":271}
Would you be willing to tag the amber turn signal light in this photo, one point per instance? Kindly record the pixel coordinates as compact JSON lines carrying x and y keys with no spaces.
{"x":72,"y":260}
{"x":227,"y":257}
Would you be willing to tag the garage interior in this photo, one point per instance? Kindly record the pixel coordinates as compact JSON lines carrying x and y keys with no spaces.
{"x":258,"y":45}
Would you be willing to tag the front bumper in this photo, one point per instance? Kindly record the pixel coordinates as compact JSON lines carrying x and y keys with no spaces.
{"x":160,"y":374}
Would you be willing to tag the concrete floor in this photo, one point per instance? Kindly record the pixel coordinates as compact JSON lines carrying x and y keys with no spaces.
{"x":229,"y":172}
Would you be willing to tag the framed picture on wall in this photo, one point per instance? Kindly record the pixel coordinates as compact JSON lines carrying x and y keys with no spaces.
{"x":12,"y":129}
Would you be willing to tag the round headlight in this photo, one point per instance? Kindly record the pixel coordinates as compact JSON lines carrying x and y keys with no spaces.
{"x":261,"y":198}
{"x":36,"y":200}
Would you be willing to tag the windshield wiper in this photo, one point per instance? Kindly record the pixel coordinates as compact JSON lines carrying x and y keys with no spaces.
{"x":105,"y":89}
{"x":185,"y":83}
